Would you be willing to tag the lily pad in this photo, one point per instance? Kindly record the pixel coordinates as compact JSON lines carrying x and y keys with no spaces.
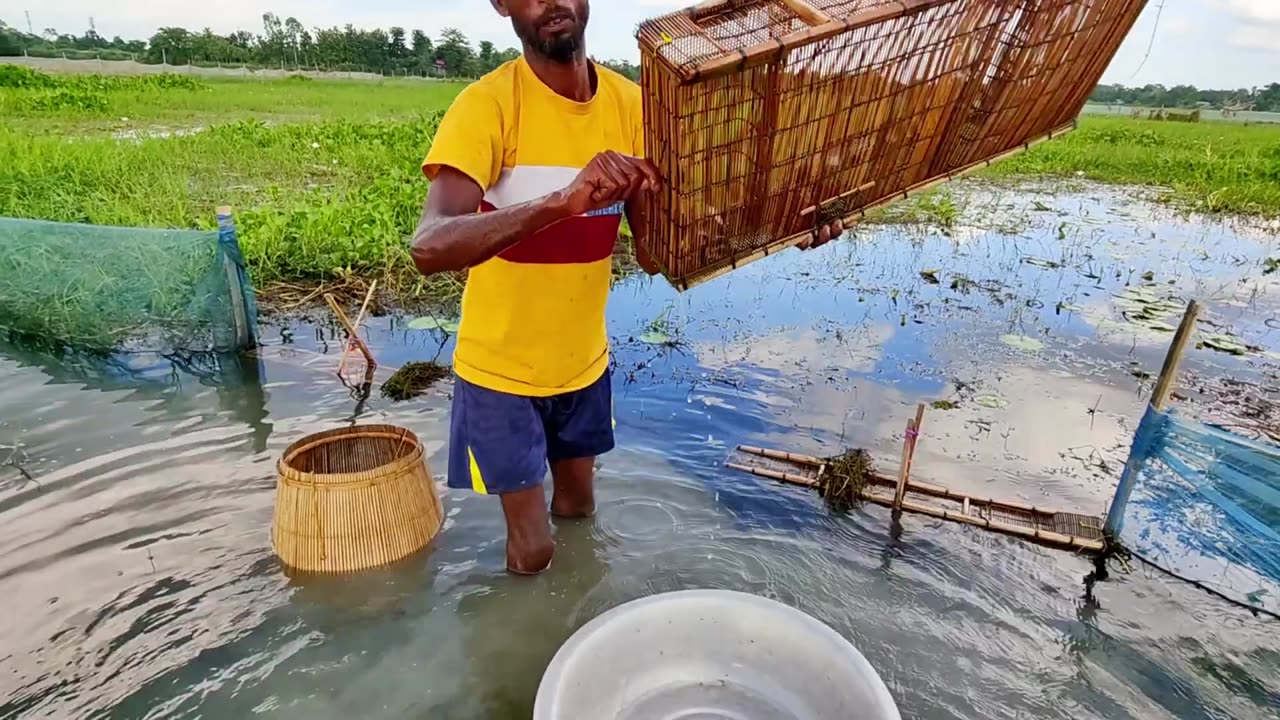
{"x":656,"y":338}
{"x":1225,"y":343}
{"x":944,"y":405}
{"x":1022,"y":342}
{"x":994,"y":402}
{"x":431,"y":323}
{"x":1158,"y":325}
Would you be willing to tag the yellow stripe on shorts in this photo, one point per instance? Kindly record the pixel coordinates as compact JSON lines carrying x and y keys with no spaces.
{"x":477,"y":482}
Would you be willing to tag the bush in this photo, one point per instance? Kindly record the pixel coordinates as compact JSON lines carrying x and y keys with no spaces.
{"x":16,"y":76}
{"x":66,"y":98}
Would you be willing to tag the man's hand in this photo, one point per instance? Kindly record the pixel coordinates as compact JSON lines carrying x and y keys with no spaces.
{"x":608,"y":179}
{"x":822,"y":236}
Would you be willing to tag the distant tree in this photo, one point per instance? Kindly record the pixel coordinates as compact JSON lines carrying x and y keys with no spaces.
{"x":396,"y":47}
{"x":455,"y":50}
{"x":171,"y":45}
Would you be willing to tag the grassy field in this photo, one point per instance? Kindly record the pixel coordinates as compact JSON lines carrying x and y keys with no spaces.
{"x":326,"y":182}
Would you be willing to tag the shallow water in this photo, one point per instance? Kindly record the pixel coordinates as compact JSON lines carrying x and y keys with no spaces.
{"x":139,"y":581}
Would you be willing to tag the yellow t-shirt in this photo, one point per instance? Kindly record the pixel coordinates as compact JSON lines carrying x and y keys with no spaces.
{"x":533,"y":317}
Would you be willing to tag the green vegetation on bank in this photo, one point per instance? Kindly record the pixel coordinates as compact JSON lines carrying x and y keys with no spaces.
{"x":1205,"y":167}
{"x":326,"y":182}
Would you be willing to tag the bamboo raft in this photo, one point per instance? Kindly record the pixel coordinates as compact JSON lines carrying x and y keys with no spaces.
{"x":1050,"y":527}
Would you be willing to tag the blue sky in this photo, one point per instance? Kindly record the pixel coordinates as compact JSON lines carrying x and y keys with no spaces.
{"x":1208,"y":43}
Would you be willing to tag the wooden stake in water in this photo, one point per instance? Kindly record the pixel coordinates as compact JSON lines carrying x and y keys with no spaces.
{"x":908,"y":452}
{"x":352,"y":329}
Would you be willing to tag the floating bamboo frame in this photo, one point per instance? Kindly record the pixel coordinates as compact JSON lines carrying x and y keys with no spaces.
{"x":911,"y":496}
{"x":770,"y":117}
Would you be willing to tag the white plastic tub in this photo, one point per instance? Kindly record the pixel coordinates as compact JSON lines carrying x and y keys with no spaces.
{"x":710,"y":655}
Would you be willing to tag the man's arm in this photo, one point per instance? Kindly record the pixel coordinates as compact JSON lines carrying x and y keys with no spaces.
{"x":452,"y":236}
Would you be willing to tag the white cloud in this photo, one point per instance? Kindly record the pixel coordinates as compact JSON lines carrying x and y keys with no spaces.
{"x":1264,"y":10}
{"x":1254,"y":37}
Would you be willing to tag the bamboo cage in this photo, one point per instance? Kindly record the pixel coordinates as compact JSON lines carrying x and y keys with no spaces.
{"x":770,"y":118}
{"x":354,"y":498}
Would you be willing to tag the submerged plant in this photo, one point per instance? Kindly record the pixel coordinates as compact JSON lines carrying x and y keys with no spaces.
{"x":412,"y":380}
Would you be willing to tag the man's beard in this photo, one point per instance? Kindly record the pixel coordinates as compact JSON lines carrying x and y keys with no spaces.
{"x":562,"y":48}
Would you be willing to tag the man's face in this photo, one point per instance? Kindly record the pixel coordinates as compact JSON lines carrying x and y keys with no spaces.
{"x":555,"y":29}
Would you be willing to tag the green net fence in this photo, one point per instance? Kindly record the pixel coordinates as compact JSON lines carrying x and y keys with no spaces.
{"x":126,"y":289}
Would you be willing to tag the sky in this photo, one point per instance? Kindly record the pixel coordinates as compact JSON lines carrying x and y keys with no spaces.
{"x":1207,"y":43}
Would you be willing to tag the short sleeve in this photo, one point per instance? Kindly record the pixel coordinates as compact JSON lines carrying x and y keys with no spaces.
{"x":469,"y":139}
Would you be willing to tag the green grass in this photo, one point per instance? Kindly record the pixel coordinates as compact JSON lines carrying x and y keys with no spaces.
{"x":325,"y":178}
{"x":1214,"y":167}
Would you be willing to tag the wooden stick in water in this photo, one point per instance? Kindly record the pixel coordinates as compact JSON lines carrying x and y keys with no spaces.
{"x":346,"y":348}
{"x":908,"y":452}
{"x":781,"y":455}
{"x":346,"y":324}
{"x":774,"y":475}
{"x":1173,"y":361}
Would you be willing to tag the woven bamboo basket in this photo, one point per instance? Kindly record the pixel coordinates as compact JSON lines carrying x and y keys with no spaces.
{"x":769,"y":118}
{"x":353,"y":498}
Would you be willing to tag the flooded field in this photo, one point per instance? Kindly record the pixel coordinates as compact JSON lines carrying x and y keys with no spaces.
{"x":136,"y":498}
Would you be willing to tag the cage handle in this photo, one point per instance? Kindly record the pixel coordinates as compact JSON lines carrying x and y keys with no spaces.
{"x":807,"y":12}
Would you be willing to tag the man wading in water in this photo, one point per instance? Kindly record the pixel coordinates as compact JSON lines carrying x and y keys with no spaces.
{"x":531,"y":171}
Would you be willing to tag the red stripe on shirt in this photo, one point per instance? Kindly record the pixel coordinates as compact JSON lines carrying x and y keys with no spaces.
{"x":579,"y":239}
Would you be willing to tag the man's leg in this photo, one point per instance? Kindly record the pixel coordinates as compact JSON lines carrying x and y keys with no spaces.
{"x":497,"y":446}
{"x":529,"y":543}
{"x":579,"y":426}
{"x":574,"y":481}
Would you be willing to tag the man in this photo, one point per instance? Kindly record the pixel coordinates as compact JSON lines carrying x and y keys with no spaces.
{"x":531,"y":171}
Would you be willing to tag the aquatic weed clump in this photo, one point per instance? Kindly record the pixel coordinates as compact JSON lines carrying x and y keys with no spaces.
{"x":846,"y":477}
{"x":412,"y":380}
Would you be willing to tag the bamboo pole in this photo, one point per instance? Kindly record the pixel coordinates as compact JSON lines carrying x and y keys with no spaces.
{"x":1173,"y":361}
{"x":774,"y":475}
{"x":351,"y":331}
{"x":781,"y":455}
{"x":861,"y":188}
{"x":1159,"y":399}
{"x":1047,"y":536}
{"x":364,"y":307}
{"x":908,"y":452}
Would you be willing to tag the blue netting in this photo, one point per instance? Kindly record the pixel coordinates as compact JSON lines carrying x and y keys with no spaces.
{"x":1204,"y":504}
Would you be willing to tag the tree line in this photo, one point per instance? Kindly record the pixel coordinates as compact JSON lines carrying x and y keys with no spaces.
{"x":285,"y":43}
{"x":1265,"y":99}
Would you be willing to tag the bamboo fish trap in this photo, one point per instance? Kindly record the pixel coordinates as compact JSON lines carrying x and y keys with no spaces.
{"x":354,"y":498}
{"x":769,"y":118}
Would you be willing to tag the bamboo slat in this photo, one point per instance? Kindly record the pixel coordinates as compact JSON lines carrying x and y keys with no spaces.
{"x":353,"y":498}
{"x":765,"y":116}
{"x":1044,"y":525}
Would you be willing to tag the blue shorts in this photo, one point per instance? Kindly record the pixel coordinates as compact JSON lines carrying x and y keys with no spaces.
{"x":500,"y":443}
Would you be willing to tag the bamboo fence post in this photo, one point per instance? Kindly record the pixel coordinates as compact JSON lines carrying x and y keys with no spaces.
{"x":908,"y":451}
{"x":1159,"y":399}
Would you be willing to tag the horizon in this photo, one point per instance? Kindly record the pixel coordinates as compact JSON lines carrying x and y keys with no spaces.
{"x":1210,"y":44}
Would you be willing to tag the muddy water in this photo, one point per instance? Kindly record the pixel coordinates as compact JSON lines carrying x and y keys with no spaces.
{"x":138,"y":582}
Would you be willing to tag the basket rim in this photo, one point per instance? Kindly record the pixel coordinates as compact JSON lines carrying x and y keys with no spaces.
{"x":289,"y":473}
